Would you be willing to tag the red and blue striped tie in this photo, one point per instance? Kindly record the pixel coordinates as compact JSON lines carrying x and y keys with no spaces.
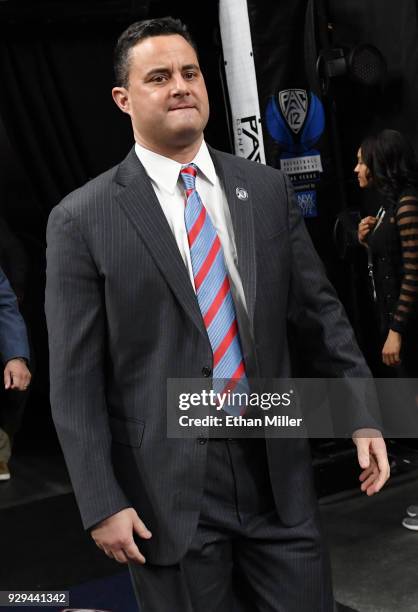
{"x":213,"y":292}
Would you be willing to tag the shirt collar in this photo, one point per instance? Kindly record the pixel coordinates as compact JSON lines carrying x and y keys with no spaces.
{"x":165,"y":171}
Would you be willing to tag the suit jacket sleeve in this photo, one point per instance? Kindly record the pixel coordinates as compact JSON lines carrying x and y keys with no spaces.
{"x":324,"y":333}
{"x":13,"y":336}
{"x":76,"y":322}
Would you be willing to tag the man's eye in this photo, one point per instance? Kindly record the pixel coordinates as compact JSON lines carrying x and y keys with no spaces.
{"x":189,"y":75}
{"x":159,"y":78}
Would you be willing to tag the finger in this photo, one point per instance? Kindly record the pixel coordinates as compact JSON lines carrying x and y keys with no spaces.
{"x":13,"y":378}
{"x":383,"y":470}
{"x":363,"y":455}
{"x":393,"y":358}
{"x":26,"y":382}
{"x":365,"y":474}
{"x":107,"y":552}
{"x":120,"y":556}
{"x":373,"y":488}
{"x":7,"y":378}
{"x":141,"y":529}
{"x":378,"y":482}
{"x":133,"y":553}
{"x":370,"y":480}
{"x":17,"y":381}
{"x":370,"y":470}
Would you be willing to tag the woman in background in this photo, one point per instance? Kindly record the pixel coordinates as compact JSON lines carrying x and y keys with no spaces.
{"x":387,"y":163}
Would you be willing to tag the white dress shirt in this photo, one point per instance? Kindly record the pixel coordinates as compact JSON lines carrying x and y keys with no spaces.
{"x":169,"y":189}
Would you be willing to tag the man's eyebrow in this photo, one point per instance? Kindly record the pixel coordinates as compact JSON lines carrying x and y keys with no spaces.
{"x":165,"y":70}
{"x":158,"y":70}
{"x":191,"y":67}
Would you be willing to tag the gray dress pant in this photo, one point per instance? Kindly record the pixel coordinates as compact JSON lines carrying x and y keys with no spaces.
{"x":242,"y":558}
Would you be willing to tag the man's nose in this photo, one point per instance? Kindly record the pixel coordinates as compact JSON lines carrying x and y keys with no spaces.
{"x":180,"y":85}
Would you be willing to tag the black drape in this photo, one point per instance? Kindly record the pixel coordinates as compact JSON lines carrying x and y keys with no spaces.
{"x":37,"y":122}
{"x":55,"y":96}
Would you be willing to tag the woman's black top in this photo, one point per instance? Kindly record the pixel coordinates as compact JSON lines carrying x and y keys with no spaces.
{"x":394,"y":248}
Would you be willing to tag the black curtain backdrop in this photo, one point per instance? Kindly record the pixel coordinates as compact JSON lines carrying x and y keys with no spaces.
{"x":55,"y":96}
{"x":59,"y":127}
{"x":37,"y":118}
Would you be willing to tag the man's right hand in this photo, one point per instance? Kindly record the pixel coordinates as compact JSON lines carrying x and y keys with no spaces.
{"x":114,"y":536}
{"x":364,"y":228}
{"x":16,"y":374}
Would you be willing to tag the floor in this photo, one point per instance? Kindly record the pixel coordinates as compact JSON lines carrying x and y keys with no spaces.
{"x":374,"y":558}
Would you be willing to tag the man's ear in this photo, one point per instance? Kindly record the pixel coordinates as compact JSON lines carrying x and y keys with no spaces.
{"x":121,"y":97}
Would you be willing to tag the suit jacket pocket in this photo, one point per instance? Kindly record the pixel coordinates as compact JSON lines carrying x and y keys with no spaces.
{"x":126,"y":431}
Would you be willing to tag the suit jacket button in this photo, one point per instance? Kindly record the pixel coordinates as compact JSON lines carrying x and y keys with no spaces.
{"x":206,"y":371}
{"x":202,"y":440}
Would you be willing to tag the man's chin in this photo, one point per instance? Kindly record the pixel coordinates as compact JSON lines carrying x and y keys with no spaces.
{"x":186,"y":135}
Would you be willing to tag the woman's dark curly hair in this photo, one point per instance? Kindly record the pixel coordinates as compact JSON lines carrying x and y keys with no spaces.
{"x":392,"y":163}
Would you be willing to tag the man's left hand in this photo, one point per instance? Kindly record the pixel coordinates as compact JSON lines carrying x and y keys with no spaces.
{"x":16,"y":375}
{"x":373,"y":458}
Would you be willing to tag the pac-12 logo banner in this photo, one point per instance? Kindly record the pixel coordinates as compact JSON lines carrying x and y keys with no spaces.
{"x":295,"y":119}
{"x":294,"y":107}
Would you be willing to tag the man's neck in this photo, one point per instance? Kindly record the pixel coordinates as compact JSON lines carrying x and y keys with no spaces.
{"x":182,"y":154}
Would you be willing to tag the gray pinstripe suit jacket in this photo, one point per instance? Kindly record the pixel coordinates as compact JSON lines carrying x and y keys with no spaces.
{"x":123,"y":317}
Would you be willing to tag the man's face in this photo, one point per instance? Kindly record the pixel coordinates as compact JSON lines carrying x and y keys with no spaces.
{"x":166,"y":97}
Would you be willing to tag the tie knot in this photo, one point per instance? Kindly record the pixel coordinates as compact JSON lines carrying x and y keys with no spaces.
{"x":188,"y":174}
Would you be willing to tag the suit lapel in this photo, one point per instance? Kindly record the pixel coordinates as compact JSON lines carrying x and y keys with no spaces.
{"x":240,"y":201}
{"x":140,"y":204}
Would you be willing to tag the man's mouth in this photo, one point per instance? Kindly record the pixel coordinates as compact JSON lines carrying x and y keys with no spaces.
{"x":182,"y":107}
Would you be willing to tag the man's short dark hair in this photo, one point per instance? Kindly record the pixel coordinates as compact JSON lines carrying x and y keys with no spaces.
{"x":138,"y":31}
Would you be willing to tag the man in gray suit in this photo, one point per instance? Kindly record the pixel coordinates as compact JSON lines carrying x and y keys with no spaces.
{"x":125,"y":313}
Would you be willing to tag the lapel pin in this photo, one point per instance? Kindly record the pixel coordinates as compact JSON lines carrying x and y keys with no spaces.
{"x":241,"y":193}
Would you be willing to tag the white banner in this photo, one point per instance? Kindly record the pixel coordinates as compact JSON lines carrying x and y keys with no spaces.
{"x":241,"y":79}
